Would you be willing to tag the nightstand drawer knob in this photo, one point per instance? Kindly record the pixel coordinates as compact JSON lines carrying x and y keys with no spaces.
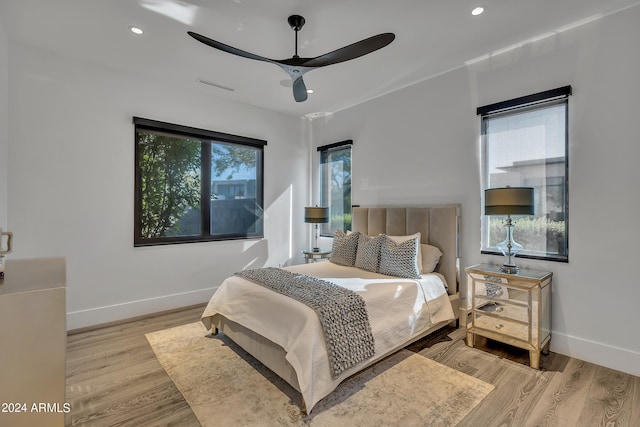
{"x":499,"y":326}
{"x":500,"y":292}
{"x":499,"y":309}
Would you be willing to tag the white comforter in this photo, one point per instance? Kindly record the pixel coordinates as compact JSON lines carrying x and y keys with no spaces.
{"x":399,"y":309}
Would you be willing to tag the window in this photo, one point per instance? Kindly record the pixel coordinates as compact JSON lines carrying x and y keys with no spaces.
{"x":524,"y":144}
{"x":335,"y":185}
{"x":195,"y":185}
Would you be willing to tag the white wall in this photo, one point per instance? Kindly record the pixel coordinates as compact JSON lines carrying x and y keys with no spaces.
{"x":71,"y":187}
{"x":420,"y":145}
{"x":4,"y":120}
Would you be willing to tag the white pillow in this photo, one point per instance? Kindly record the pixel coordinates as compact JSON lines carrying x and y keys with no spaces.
{"x":430,"y":258}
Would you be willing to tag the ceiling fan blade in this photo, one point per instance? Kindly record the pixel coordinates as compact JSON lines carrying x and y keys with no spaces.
{"x":299,"y":90}
{"x":352,"y":51}
{"x":226,"y":48}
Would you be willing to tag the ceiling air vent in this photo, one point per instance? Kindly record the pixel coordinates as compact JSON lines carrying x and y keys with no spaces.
{"x":205,"y":82}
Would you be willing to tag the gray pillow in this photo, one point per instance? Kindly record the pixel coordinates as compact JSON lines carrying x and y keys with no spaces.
{"x":368,"y":253}
{"x":343,"y":250}
{"x":399,"y":259}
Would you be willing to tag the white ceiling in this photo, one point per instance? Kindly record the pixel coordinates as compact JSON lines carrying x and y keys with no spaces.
{"x":432,"y":37}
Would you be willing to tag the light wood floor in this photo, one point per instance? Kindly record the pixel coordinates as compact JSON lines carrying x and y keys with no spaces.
{"x":114,"y":379}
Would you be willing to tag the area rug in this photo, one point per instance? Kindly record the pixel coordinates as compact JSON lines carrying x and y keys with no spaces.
{"x":225,"y":386}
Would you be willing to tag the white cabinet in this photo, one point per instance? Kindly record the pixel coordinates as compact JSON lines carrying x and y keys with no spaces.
{"x":34,"y":340}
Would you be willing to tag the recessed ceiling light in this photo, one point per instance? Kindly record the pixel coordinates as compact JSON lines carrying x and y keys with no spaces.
{"x":309,"y":90}
{"x":136,"y":30}
{"x":477,"y":11}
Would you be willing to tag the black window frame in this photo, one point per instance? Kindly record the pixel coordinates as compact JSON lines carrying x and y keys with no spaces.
{"x":522,"y":104}
{"x":325,"y":151}
{"x":206,"y":138}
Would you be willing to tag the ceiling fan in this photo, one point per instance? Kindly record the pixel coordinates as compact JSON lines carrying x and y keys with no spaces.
{"x":297,"y":66}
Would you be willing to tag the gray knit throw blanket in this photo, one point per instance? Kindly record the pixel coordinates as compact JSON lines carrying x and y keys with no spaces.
{"x":342,"y":313}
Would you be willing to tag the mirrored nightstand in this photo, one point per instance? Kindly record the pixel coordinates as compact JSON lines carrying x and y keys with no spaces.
{"x":511,"y":308}
{"x":313,"y":256}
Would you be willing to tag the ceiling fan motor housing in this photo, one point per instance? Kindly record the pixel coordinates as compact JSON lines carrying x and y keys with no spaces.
{"x":296,"y":22}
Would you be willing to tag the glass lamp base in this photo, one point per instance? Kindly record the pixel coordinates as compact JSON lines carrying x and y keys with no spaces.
{"x":509,"y":249}
{"x":509,"y":269}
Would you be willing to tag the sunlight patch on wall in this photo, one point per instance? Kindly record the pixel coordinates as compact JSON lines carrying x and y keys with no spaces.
{"x":534,"y":39}
{"x":178,"y":10}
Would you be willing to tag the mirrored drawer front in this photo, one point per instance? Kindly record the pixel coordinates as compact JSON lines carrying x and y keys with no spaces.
{"x":503,"y":326}
{"x":490,"y":286}
{"x":489,"y":278}
{"x":492,"y":290}
{"x":503,"y":309}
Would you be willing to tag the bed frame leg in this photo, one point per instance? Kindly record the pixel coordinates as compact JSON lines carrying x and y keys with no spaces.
{"x":214,"y":331}
{"x":303,"y":407}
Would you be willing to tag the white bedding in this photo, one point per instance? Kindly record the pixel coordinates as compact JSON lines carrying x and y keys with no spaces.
{"x":398,"y":309}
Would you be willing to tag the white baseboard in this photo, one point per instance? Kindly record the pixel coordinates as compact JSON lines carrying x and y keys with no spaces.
{"x":110,"y":313}
{"x":601,"y":354}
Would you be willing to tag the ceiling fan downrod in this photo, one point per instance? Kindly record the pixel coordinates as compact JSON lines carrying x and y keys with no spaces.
{"x":296,"y":22}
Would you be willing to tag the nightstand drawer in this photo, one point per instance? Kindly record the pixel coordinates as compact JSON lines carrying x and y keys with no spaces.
{"x":502,"y":309}
{"x":488,"y":278}
{"x":502,"y":326}
{"x":492,"y":290}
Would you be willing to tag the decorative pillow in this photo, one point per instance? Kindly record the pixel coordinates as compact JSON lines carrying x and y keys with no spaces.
{"x":368,"y":253}
{"x":430,"y":258}
{"x":400,"y":259}
{"x":343,"y":250}
{"x":400,"y":239}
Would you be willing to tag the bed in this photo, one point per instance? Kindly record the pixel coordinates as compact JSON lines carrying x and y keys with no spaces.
{"x":287,"y":335}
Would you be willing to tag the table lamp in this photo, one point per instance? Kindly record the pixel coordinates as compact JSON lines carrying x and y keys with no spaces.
{"x":509,"y":201}
{"x":316,"y":215}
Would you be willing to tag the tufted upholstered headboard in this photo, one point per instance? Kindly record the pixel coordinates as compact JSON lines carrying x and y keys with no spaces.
{"x":438,"y":226}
